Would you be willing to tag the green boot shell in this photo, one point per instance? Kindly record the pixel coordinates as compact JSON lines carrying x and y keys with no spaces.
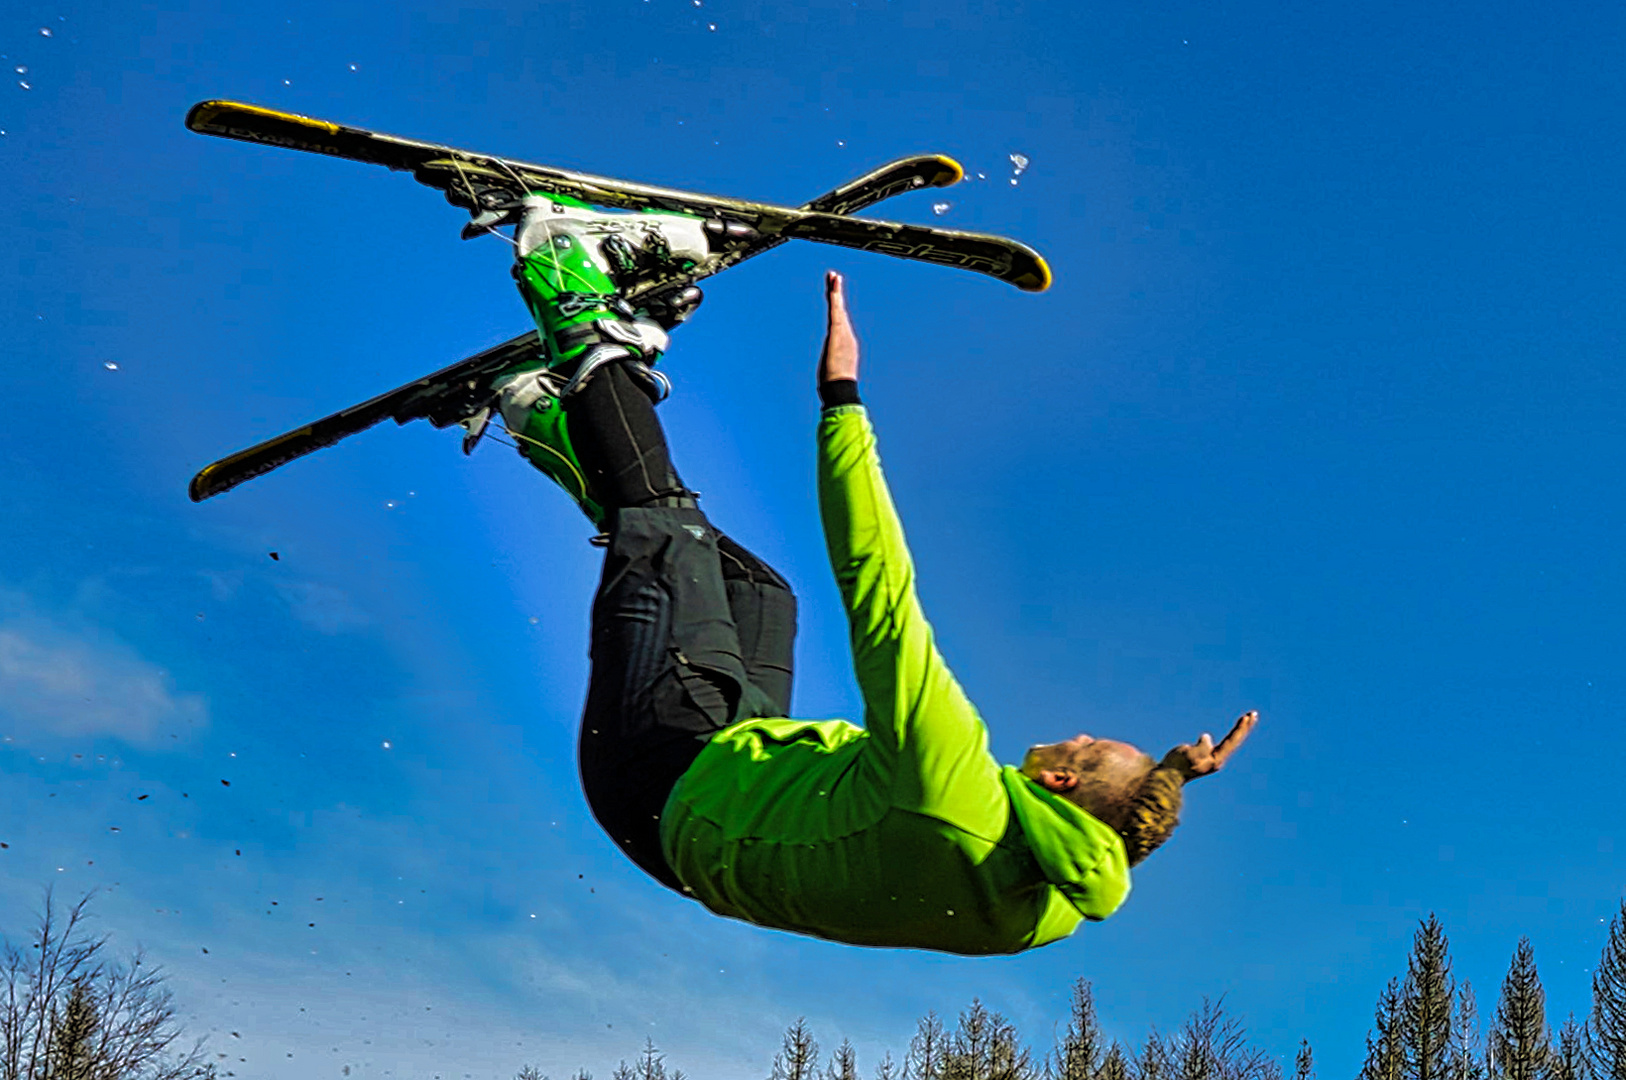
{"x":544,"y":440}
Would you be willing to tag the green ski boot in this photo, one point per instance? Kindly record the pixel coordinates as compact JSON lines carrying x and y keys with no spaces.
{"x":573,"y":261}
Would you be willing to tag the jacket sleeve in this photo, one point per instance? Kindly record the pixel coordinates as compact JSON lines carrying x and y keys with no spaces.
{"x":919,"y":720}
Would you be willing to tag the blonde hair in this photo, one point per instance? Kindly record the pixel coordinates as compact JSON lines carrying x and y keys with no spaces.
{"x":1153,"y":812}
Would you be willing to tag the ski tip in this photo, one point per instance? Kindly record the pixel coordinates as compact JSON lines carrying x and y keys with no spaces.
{"x":200,"y":487}
{"x":215,"y":117}
{"x":949,"y":172}
{"x":1033,"y":275}
{"x":199,"y":115}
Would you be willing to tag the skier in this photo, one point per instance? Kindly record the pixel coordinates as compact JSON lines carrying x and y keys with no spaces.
{"x":904,"y":832}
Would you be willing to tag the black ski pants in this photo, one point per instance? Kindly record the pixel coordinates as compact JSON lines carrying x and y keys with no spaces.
{"x":691,"y":633}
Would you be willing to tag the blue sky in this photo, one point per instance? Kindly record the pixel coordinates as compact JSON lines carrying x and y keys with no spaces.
{"x":1321,"y":417}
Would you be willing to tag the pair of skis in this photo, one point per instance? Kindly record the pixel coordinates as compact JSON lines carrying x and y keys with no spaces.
{"x":480,"y":184}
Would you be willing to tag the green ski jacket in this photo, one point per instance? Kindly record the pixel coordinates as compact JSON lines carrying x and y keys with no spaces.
{"x":905,"y":832}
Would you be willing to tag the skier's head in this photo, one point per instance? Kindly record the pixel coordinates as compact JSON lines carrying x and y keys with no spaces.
{"x":1115,"y":782}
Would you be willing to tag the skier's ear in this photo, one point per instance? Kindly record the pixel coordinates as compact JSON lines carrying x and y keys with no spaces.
{"x":1059,"y":781}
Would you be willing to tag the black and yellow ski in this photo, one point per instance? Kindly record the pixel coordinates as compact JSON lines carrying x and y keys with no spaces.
{"x":480,"y":182}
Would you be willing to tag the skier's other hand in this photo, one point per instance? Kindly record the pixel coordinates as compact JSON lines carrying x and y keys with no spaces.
{"x":839,"y":359}
{"x":1192,"y":761}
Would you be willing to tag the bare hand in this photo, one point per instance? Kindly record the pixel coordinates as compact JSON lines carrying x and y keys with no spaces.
{"x":1192,"y":761}
{"x":840,"y":357}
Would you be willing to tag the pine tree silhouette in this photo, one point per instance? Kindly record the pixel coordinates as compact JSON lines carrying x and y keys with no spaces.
{"x":798,"y":1057}
{"x":1426,"y":1004}
{"x":843,"y":1063}
{"x":926,"y":1050}
{"x":1385,"y":1048}
{"x":1605,"y":1032}
{"x":1520,"y":1044}
{"x":1569,"y":1056}
{"x":1079,"y":1055}
{"x":1467,"y":1060}
{"x":985,"y":1047}
{"x":71,"y":1052}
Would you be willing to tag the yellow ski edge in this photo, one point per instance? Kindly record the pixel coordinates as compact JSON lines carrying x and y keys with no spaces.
{"x":203,"y":485}
{"x":1036,"y":280}
{"x":201,"y":117}
{"x":951,"y":172}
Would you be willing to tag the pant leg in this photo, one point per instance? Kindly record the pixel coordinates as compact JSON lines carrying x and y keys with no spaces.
{"x":667,"y":672}
{"x":620,"y":442}
{"x":764,"y":611}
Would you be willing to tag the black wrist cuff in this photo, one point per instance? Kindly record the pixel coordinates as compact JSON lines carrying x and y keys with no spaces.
{"x":839,"y":392}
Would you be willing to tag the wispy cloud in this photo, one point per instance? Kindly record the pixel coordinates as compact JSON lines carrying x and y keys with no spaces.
{"x":322,"y":607}
{"x":76,"y":683}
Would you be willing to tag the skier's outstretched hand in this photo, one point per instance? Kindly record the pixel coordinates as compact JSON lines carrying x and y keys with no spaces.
{"x":840,"y":357}
{"x":1204,"y":758}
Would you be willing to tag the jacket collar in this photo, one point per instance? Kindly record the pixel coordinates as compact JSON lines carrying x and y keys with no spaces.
{"x":1079,"y":854}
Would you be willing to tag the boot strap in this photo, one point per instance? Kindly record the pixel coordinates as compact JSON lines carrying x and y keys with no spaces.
{"x":643,"y":335}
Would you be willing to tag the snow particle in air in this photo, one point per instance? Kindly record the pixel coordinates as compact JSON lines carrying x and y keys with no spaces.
{"x":22,"y":69}
{"x":110,"y":365}
{"x":712,"y":27}
{"x":386,"y":744}
{"x":45,"y":31}
{"x":941,"y":208}
{"x":24,"y":85}
{"x":352,"y":67}
{"x":1019,"y":164}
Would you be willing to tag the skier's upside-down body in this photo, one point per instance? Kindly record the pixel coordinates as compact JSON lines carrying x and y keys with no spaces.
{"x":904,"y":832}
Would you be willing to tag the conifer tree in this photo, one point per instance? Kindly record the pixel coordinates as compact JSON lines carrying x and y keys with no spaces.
{"x":968,"y":1049}
{"x":1114,"y":1066}
{"x":798,"y":1058}
{"x":1079,"y":1055}
{"x":1520,"y":1044}
{"x":71,"y":1048}
{"x":985,"y":1047}
{"x":1466,"y":1057}
{"x":887,"y":1069}
{"x":1153,"y":1061}
{"x":1569,"y":1056}
{"x":1304,"y":1062}
{"x":1605,"y":1032}
{"x":1426,"y":1004}
{"x":843,"y":1063}
{"x":1212,"y":1046}
{"x":651,"y":1065}
{"x":927,"y":1050}
{"x":1008,"y":1059}
{"x":1385,"y":1051}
